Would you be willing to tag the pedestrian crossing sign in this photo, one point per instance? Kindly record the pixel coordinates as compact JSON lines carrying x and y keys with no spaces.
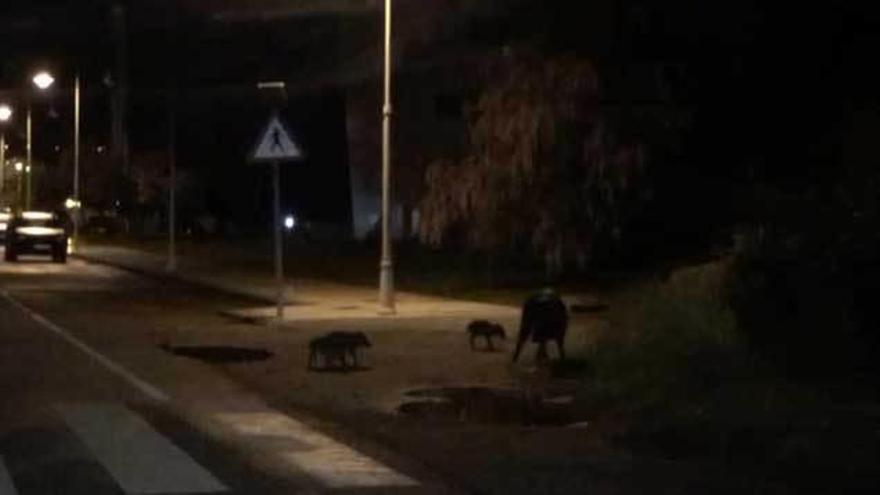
{"x":276,"y":144}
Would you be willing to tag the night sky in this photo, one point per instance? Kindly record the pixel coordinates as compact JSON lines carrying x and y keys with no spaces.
{"x":773,"y":92}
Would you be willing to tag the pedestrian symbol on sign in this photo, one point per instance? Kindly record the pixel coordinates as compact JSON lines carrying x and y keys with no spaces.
{"x":276,"y":140}
{"x":276,"y":144}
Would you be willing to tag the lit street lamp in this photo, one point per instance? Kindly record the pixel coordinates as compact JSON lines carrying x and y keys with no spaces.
{"x":42,"y":80}
{"x":5,"y":115}
{"x":19,"y":171}
{"x":76,"y":213}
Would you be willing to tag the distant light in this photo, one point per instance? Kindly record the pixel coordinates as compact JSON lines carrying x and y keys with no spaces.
{"x":100,"y":149}
{"x":5,"y":113}
{"x":27,"y":169}
{"x":57,"y":148}
{"x":43,"y":80}
{"x":38,"y":231}
{"x":289,"y":222}
{"x":36,"y":215}
{"x":19,"y":166}
{"x":270,"y":85}
{"x":71,"y":203}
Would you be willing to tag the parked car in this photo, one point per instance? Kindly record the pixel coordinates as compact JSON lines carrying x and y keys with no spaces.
{"x":36,"y":232}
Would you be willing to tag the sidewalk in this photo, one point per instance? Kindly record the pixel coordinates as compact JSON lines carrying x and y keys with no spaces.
{"x":306,"y":300}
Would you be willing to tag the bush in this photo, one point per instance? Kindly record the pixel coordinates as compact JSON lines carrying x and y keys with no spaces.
{"x":678,"y":345}
{"x":805,"y":302}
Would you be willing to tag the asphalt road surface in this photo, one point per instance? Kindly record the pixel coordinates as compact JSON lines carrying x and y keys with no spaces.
{"x":92,"y":405}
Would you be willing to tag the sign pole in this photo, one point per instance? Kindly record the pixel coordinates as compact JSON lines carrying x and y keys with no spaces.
{"x":276,"y":145}
{"x":279,"y":263}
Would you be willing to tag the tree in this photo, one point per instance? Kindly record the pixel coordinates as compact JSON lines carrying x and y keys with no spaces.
{"x":542,"y":167}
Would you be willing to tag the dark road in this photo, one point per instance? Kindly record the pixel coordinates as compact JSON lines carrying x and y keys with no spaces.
{"x":93,"y":404}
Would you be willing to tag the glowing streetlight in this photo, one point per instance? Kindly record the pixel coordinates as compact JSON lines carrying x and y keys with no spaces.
{"x":43,"y":80}
{"x":19,"y":168}
{"x":5,"y":115}
{"x":289,"y":222}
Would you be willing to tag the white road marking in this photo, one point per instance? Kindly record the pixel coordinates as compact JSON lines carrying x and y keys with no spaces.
{"x":6,"y":485}
{"x":144,"y":387}
{"x":331,"y":463}
{"x":140,"y":459}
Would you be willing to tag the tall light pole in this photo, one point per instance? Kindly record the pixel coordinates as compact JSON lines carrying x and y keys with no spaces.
{"x":42,"y":80}
{"x":27,"y":201}
{"x":5,"y":115}
{"x":19,"y":170}
{"x":386,"y":267}
{"x":77,"y":208}
{"x":172,"y":181}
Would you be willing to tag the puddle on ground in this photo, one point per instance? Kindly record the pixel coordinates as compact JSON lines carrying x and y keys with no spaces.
{"x":219,"y":354}
{"x":489,"y":405}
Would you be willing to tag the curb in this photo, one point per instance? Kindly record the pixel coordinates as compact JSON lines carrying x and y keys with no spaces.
{"x":175,"y":276}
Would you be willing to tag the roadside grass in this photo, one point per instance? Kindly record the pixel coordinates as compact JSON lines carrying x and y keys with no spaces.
{"x":673,"y":367}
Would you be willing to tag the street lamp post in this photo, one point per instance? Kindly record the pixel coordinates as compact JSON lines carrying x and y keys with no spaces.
{"x":386,"y":271}
{"x":171,"y":264}
{"x":77,"y":210}
{"x":27,"y":201}
{"x":2,"y":161}
{"x":19,"y":170}
{"x":42,"y":80}
{"x":5,"y":115}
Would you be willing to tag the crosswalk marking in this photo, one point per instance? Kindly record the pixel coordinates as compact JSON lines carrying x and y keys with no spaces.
{"x":332,"y":463}
{"x":140,"y":459}
{"x":6,"y":485}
